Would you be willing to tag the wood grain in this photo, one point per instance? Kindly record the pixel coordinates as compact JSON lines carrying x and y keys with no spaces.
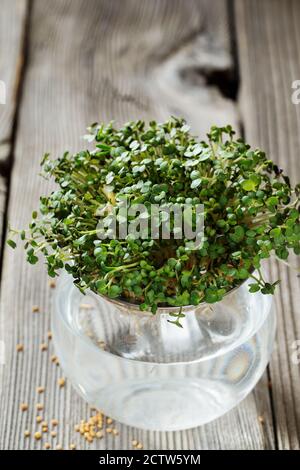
{"x":12,"y":23}
{"x":102,"y":60}
{"x":12,"y":20}
{"x":269,"y":37}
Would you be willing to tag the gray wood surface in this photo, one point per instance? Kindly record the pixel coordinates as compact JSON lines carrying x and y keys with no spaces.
{"x":100,"y":60}
{"x":269,"y":37}
{"x":12,"y":27}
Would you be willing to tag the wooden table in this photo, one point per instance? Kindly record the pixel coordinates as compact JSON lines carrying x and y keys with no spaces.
{"x":67,"y":63}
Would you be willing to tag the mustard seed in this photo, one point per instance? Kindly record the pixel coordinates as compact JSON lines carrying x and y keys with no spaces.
{"x":61,"y":382}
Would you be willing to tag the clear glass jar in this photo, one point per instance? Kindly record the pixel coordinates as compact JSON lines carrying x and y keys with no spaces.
{"x":146,"y":372}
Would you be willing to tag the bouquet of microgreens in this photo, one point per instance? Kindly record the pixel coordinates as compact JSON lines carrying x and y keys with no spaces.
{"x":250,"y":211}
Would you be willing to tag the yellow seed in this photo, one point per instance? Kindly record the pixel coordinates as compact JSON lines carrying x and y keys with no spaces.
{"x":109,"y":430}
{"x":49,"y":334}
{"x":39,"y":419}
{"x":109,"y":420}
{"x":139,"y":446}
{"x":99,"y":434}
{"x":261,"y":419}
{"x":134,"y":443}
{"x":61,"y":382}
{"x":24,"y":407}
{"x":43,"y":347}
{"x":20,"y":347}
{"x":72,"y":446}
{"x":86,"y":306}
{"x":115,"y":432}
{"x":54,"y":422}
{"x":45,"y":429}
{"x":35,"y":308}
{"x":77,"y":428}
{"x":53,"y":433}
{"x":52,"y":284}
{"x":47,"y":445}
{"x":44,"y":423}
{"x":39,"y":406}
{"x":37,"y":435}
{"x":27,"y":433}
{"x":58,"y":447}
{"x":40,"y":389}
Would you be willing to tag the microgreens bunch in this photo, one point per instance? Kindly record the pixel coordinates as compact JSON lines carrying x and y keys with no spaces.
{"x":250,"y":211}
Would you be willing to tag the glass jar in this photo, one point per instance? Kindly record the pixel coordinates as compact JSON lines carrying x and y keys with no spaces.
{"x":144,"y":371}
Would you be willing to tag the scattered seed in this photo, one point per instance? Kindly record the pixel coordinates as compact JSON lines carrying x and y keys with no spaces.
{"x":35,"y":309}
{"x":24,"y":407}
{"x":43,"y":347}
{"x":53,"y":433}
{"x":86,"y":306}
{"x":261,"y":419}
{"x":58,"y":447}
{"x":38,"y":435}
{"x":52,"y":284}
{"x":139,"y":446}
{"x":54,"y":422}
{"x":44,"y":423}
{"x":134,"y":443}
{"x":108,"y":430}
{"x":115,"y":432}
{"x":27,"y":433}
{"x":45,"y":429}
{"x":20,"y":347}
{"x":61,"y":382}
{"x":72,"y":447}
{"x":39,"y":406}
{"x":47,"y":445}
{"x":40,"y":389}
{"x":91,"y":429}
{"x":54,"y":358}
{"x":109,"y":420}
{"x":49,"y":334}
{"x":39,"y":419}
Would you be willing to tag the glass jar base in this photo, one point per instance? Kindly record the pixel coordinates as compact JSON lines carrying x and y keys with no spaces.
{"x":164,"y":384}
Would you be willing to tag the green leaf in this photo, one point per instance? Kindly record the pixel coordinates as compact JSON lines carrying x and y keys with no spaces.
{"x":249,"y":185}
{"x":11,"y":243}
{"x":196,"y":183}
{"x":254,"y":288}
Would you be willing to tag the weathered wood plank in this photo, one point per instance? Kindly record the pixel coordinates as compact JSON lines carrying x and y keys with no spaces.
{"x":102,"y":60}
{"x":269,"y":44}
{"x":12,"y":20}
